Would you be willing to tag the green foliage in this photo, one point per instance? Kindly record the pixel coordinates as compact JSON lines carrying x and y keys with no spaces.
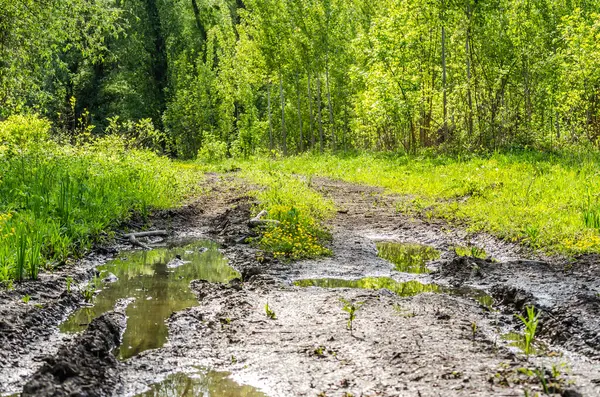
{"x":531,"y":323}
{"x":295,"y":237}
{"x":212,"y":150}
{"x":56,"y":200}
{"x":25,"y":299}
{"x":470,"y":251}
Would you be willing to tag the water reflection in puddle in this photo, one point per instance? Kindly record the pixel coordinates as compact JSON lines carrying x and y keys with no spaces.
{"x":206,"y":384}
{"x":408,"y":257}
{"x":158,"y":280}
{"x":405,"y":288}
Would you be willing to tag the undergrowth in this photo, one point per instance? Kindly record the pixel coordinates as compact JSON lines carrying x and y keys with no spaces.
{"x":549,"y":202}
{"x":56,"y":200}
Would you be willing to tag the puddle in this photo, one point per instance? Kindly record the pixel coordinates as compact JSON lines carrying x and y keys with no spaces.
{"x":407,"y":288}
{"x":408,"y":257}
{"x":158,"y":280}
{"x":206,"y":384}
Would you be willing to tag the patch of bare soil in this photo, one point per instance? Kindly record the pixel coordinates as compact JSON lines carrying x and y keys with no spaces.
{"x":432,"y":344}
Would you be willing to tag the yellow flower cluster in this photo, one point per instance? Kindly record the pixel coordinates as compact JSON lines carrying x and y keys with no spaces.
{"x":294,"y":238}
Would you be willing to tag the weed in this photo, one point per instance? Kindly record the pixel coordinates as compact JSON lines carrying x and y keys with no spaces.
{"x":270,"y":312}
{"x":531,"y":323}
{"x":473,"y":329}
{"x":300,"y":211}
{"x":470,"y":251}
{"x":26,"y":299}
{"x":319,"y":351}
{"x":88,"y":292}
{"x":351,"y":308}
{"x":69,"y":281}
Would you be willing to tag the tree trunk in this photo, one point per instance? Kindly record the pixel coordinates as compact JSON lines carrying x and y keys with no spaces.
{"x":283,"y":131}
{"x":468,"y":61}
{"x":320,"y":115}
{"x":445,"y":103}
{"x":270,"y":118}
{"x":331,"y":121}
{"x":299,"y":112}
{"x":199,"y":21}
{"x":310,"y":110}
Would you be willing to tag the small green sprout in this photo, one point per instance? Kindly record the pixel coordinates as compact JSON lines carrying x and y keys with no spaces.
{"x":531,"y":323}
{"x":351,"y":308}
{"x":269,"y":312}
{"x":69,"y":281}
{"x":26,"y":299}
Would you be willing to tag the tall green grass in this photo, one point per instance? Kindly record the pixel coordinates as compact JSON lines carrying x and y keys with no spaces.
{"x":56,"y":200}
{"x":548,"y":201}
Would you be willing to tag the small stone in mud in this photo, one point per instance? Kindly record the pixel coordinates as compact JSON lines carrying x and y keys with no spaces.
{"x":110,"y":278}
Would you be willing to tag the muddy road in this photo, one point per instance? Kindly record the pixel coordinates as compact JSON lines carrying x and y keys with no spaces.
{"x":441,"y":325}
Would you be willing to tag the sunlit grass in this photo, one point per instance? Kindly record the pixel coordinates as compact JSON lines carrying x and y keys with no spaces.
{"x":56,"y":200}
{"x":545,"y":201}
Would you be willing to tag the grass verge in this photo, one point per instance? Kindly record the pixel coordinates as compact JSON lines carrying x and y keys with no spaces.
{"x":56,"y":200}
{"x":550,"y":202}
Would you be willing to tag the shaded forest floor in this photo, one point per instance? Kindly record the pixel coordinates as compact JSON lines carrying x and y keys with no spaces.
{"x":438,"y":343}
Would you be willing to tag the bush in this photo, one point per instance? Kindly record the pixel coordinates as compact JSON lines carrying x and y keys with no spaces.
{"x":213,"y":150}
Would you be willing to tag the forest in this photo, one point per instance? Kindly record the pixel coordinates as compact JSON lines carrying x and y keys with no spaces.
{"x":250,"y":198}
{"x":242,"y":77}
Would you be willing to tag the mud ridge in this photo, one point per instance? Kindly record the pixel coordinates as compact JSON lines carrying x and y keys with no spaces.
{"x":85,"y":367}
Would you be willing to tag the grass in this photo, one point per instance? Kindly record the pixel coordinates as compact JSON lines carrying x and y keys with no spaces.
{"x":300,"y":210}
{"x":530,"y":322}
{"x":547,"y":201}
{"x":57,"y":200}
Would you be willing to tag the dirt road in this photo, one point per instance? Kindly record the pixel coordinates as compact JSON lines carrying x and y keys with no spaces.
{"x":444,"y":342}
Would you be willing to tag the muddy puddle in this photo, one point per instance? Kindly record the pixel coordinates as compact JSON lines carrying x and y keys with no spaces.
{"x":400,"y":288}
{"x":157,"y":283}
{"x":202,"y":383}
{"x":407,"y":257}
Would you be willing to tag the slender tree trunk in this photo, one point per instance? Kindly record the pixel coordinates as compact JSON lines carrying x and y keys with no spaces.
{"x":445,"y":103}
{"x":320,"y":115}
{"x":468,"y":60}
{"x":270,"y":118}
{"x":283,"y":131}
{"x":299,"y":111}
{"x":310,"y":110}
{"x":331,"y":121}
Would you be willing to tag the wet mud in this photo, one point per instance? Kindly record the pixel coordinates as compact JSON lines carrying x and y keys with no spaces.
{"x":429,"y":319}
